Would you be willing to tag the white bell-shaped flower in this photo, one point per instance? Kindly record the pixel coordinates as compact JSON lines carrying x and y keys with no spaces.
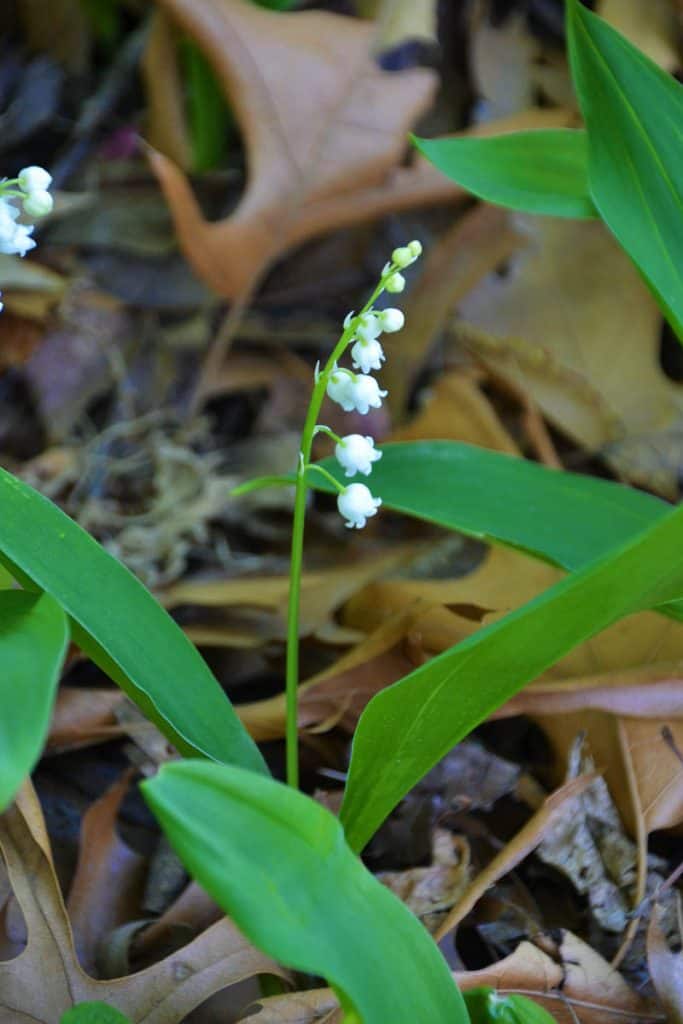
{"x":365,"y":392}
{"x":38,"y":203}
{"x":367,"y":355}
{"x":356,"y":504}
{"x":356,"y":454}
{"x":34,"y":179}
{"x":339,"y":386}
{"x":368,"y":327}
{"x":8,"y":216}
{"x":18,"y":241}
{"x":391,"y":320}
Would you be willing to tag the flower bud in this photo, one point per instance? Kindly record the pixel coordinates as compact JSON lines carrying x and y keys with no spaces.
{"x":402,"y":257}
{"x":356,"y":454}
{"x":38,"y":203}
{"x":395,"y":283}
{"x":391,"y":320}
{"x":367,"y":355}
{"x":415,"y":248}
{"x":34,"y":179}
{"x":356,"y":504}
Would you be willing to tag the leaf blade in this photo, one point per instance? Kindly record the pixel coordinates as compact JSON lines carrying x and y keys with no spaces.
{"x":633,"y":112}
{"x":121,"y":626}
{"x":543,"y":171}
{"x":564,"y":518}
{"x":243,"y":836}
{"x":34,"y":637}
{"x":408,"y":727}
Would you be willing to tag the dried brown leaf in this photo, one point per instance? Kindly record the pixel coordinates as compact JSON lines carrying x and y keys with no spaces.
{"x":573,"y":325}
{"x":46,"y":979}
{"x":323,"y":127}
{"x":554,"y":808}
{"x":108,"y":883}
{"x":83,"y":716}
{"x":666,"y":969}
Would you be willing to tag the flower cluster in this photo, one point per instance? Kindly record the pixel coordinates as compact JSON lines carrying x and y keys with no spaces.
{"x":360,"y":392}
{"x":31,"y":189}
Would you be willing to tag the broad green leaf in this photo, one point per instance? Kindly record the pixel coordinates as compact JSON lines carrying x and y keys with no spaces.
{"x":543,"y":171}
{"x":563,"y":518}
{"x":634,"y":115}
{"x":34,"y":637}
{"x":277,"y":863}
{"x":121,"y":626}
{"x":93,"y":1013}
{"x":408,"y":727}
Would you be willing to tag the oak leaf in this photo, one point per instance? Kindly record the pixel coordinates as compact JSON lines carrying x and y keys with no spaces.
{"x":324,"y":130}
{"x":46,"y":980}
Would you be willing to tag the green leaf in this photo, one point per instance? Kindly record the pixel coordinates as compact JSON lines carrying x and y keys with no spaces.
{"x":34,"y":637}
{"x":93,"y":1013}
{"x":121,"y":626}
{"x":634,"y":115}
{"x":563,"y":518}
{"x":408,"y":727}
{"x":542,"y":171}
{"x":277,"y":863}
{"x":210,"y":121}
{"x":486,"y":1006}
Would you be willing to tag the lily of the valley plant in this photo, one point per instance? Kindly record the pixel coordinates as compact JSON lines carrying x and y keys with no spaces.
{"x":355,"y":390}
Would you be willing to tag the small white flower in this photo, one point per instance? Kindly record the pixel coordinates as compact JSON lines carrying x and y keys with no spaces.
{"x":391,"y":320}
{"x":356,"y":454}
{"x":367,"y":355}
{"x":415,"y":248}
{"x":34,"y":179}
{"x":339,"y":387}
{"x":356,"y":504}
{"x":395,"y":283}
{"x":364,"y":392}
{"x":368,"y":327}
{"x":8,"y":215}
{"x":19,"y":243}
{"x":38,"y":203}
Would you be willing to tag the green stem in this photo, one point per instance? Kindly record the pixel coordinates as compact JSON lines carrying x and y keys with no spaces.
{"x":296,"y":562}
{"x":328,"y":476}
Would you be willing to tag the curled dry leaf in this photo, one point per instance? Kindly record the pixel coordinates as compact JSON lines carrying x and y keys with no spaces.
{"x":590,"y":848}
{"x":108,"y":883}
{"x":46,"y":980}
{"x":324,"y":130}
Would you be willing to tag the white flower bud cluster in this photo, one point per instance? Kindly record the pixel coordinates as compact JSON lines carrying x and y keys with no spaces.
{"x":360,"y":392}
{"x":31,"y":188}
